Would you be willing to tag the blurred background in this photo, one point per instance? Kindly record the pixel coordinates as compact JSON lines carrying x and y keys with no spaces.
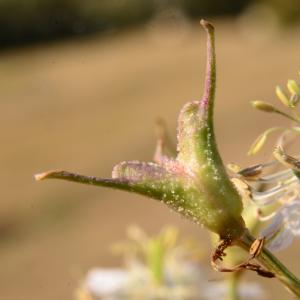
{"x":81,"y":84}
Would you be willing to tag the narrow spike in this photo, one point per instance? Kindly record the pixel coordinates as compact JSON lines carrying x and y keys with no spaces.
{"x":164,"y":145}
{"x":206,"y":103}
{"x":91,"y":180}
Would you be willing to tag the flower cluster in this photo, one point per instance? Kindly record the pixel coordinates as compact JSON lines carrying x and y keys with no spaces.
{"x":163,"y":266}
{"x":276,"y":195}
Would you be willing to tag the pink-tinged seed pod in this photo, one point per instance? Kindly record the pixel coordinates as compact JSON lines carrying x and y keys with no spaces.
{"x":195,"y":183}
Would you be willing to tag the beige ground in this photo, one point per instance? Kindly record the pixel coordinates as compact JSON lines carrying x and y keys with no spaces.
{"x":86,"y":105}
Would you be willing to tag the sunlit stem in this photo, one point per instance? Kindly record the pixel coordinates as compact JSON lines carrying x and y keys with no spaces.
{"x":270,"y":262}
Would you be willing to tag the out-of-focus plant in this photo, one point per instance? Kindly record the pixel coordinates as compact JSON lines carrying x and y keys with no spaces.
{"x":279,"y":201}
{"x":195,"y":183}
{"x":164,"y":266}
{"x":270,"y":194}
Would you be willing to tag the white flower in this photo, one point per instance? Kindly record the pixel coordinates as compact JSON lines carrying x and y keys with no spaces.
{"x":219,"y":290}
{"x":284,"y":227}
{"x":180,"y":283}
{"x":157,"y":267}
{"x":281,"y":202}
{"x":101,"y":282}
{"x":291,"y":217}
{"x":182,"y":278}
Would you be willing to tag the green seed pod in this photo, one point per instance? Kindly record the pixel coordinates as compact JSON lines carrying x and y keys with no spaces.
{"x":198,"y":151}
{"x":195,"y":183}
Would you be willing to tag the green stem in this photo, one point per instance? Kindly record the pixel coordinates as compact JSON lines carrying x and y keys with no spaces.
{"x":293,"y":118}
{"x":233,"y":284}
{"x":155,"y":260}
{"x":267,"y":259}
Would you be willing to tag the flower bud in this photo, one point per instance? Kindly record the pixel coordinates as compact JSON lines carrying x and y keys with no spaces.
{"x":294,"y":100}
{"x":282,"y":96}
{"x":293,"y":87}
{"x":264,"y":106}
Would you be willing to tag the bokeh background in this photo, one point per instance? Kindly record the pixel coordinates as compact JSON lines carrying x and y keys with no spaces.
{"x":81,"y":84}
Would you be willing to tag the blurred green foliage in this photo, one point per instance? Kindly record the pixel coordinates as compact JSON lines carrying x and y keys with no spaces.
{"x":30,"y":20}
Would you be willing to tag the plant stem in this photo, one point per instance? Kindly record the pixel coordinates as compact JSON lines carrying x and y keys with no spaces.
{"x":233,"y":284}
{"x":267,"y":259}
{"x":293,"y":118}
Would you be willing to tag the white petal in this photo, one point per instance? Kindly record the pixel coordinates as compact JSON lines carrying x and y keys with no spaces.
{"x":183,"y":273}
{"x":104,"y":282}
{"x":219,"y":290}
{"x":291,"y":215}
{"x":273,"y":227}
{"x":251,"y":290}
{"x":275,"y":193}
{"x":283,"y":238}
{"x":215,"y":290}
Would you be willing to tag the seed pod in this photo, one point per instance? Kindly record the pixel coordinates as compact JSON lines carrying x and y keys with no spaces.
{"x":194,"y":184}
